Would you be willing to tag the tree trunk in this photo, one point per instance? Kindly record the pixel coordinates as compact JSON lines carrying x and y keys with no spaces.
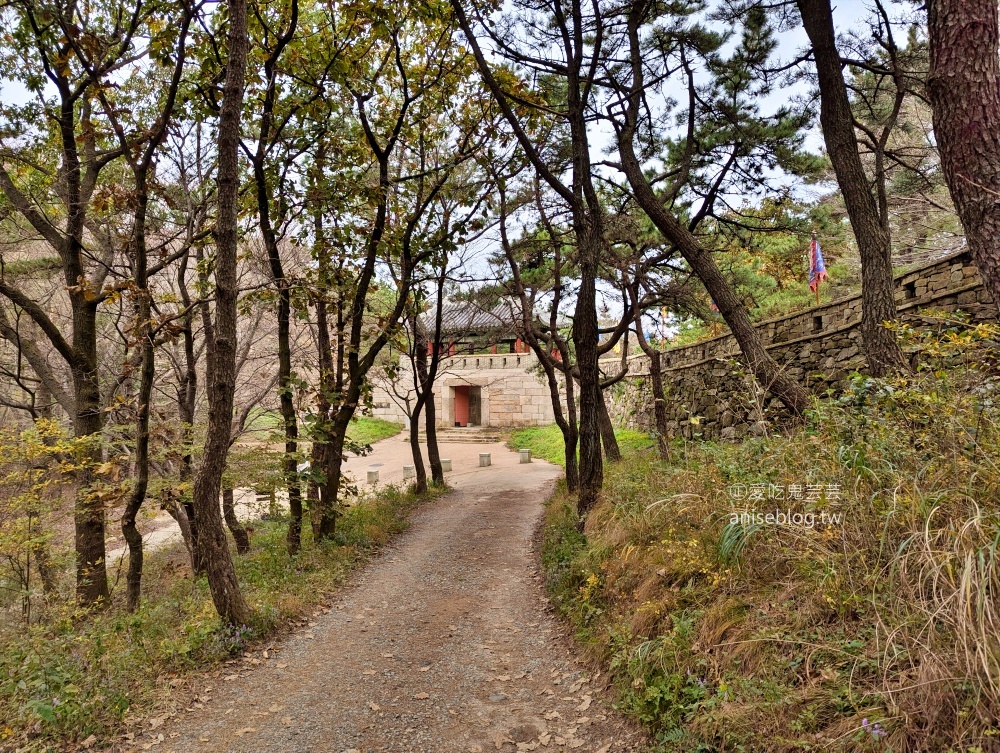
{"x":655,"y":377}
{"x":870,"y":225}
{"x":330,"y":500}
{"x":43,"y":560}
{"x":187,"y":396}
{"x":240,"y":535}
{"x":433,"y":452}
{"x":180,"y":516}
{"x":133,"y":579}
{"x":608,"y":439}
{"x":586,"y":338}
{"x":420,"y":485}
{"x":212,"y":542}
{"x":286,"y":387}
{"x":289,"y":419}
{"x":420,"y":379}
{"x":88,"y":518}
{"x":659,"y":402}
{"x":964,"y":87}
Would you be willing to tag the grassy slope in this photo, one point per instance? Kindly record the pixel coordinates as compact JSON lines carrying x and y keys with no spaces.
{"x":874,"y":634}
{"x":363,"y":429}
{"x":64,"y":680}
{"x":367,"y":430}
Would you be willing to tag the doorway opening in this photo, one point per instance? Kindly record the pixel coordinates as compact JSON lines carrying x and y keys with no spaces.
{"x":468,"y":407}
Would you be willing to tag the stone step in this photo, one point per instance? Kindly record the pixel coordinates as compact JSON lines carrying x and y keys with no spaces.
{"x":460,"y":436}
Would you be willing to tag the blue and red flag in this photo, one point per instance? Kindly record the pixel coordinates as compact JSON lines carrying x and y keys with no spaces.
{"x":817,"y":267}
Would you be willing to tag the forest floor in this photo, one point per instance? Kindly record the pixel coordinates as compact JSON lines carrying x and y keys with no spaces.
{"x":445,"y":642}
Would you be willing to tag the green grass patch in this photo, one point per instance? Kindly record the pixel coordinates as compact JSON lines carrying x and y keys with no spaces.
{"x":363,"y":429}
{"x":368,"y":430}
{"x":70,"y":676}
{"x":546,"y":442}
{"x":725,"y":633}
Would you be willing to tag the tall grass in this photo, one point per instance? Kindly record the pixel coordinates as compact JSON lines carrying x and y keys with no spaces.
{"x":877,"y":632}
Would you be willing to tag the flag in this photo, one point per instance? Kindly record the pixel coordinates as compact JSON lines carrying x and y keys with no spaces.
{"x":817,"y":267}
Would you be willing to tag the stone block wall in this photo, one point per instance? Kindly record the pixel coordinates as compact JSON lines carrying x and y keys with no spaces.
{"x":710,"y":392}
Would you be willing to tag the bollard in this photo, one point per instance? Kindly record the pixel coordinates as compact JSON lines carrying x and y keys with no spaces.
{"x":409,"y":471}
{"x":445,"y":464}
{"x":372,"y":477}
{"x":525,"y":456}
{"x":484,"y":459}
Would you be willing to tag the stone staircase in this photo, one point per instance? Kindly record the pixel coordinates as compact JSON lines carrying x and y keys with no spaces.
{"x":461,"y":435}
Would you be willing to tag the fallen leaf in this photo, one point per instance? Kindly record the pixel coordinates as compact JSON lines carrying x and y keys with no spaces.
{"x":550,"y":715}
{"x":424,"y":668}
{"x":374,"y":706}
{"x":369,"y":672}
{"x":575,"y":743}
{"x":585,"y":704}
{"x":281,"y":665}
{"x":421,"y":696}
{"x":388,"y":656}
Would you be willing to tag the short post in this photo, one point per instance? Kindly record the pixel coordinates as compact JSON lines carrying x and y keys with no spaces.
{"x":372,"y":477}
{"x":484,"y":459}
{"x":525,"y":456}
{"x":446,"y":464}
{"x":409,"y":471}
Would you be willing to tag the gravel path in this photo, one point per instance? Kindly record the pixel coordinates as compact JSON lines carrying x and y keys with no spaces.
{"x":444,"y":643}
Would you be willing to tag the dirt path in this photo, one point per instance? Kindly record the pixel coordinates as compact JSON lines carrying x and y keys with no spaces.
{"x":444,"y":643}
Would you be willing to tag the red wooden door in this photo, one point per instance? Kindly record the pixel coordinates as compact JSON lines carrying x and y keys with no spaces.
{"x":461,"y":406}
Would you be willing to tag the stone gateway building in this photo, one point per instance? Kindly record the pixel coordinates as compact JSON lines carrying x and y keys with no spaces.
{"x":487,"y":376}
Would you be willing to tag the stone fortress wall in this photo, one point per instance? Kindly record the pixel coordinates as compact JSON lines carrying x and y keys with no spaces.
{"x":710,"y":393}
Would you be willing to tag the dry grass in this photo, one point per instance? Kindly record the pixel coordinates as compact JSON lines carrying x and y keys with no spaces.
{"x":732,"y":635}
